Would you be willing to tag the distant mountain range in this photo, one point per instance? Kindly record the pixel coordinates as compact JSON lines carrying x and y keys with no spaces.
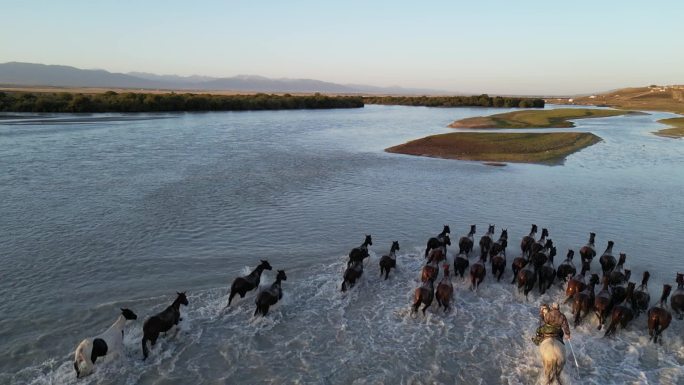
{"x":31,"y":74}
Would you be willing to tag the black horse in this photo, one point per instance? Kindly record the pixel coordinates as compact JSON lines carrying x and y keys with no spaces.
{"x":547,"y":273}
{"x":642,"y":299}
{"x":465,"y":244}
{"x":540,"y":244}
{"x":388,"y":262}
{"x":567,"y":269}
{"x":241,"y":285}
{"x":539,"y":258}
{"x":269,"y":297}
{"x":352,"y":274}
{"x":588,"y":251}
{"x":607,"y":259}
{"x":358,"y":254}
{"x":486,"y":242}
{"x":461,"y":263}
{"x":162,"y":322}
{"x":499,"y":247}
{"x":441,"y":240}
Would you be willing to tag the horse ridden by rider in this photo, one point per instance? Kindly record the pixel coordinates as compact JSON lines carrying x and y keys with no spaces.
{"x":554,"y":324}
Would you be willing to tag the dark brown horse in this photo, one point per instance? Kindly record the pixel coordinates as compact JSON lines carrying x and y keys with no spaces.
{"x":539,"y":257}
{"x":577,"y":283}
{"x":518,"y":264}
{"x":486,"y":242}
{"x":478,"y":272}
{"x":659,"y":317}
{"x":619,"y":276}
{"x":424,"y":294}
{"x":607,"y":260}
{"x":541,"y":243}
{"x":162,"y":322}
{"x":566,"y":270}
{"x":498,"y":265}
{"x":438,"y":254}
{"x":642,"y":299}
{"x":623,"y":313}
{"x":499,"y":247}
{"x":584,"y":300}
{"x":429,"y":271}
{"x":603,"y":303}
{"x":526,"y":279}
{"x":527,"y":242}
{"x":588,"y":251}
{"x":461,"y":263}
{"x":441,"y":240}
{"x":445,"y":290}
{"x":358,"y":254}
{"x":465,"y":244}
{"x":269,"y":297}
{"x":388,"y":262}
{"x":677,"y":300}
{"x":352,"y":274}
{"x":547,"y":273}
{"x":241,"y":285}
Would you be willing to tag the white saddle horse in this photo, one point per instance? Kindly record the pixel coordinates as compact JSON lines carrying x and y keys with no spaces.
{"x":553,"y":358}
{"x":109,"y":343}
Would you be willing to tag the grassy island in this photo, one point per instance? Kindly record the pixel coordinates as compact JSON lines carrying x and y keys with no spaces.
{"x":677,"y":130}
{"x":483,"y":100}
{"x":558,"y":118}
{"x":542,"y":148}
{"x":111,"y":101}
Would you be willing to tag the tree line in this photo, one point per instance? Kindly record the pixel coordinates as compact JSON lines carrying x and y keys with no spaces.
{"x":140,"y":102}
{"x":483,"y":100}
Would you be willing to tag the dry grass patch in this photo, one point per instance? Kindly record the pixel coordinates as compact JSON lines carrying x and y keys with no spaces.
{"x":558,"y":118}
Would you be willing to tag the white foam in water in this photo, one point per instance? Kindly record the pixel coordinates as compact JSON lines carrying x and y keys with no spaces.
{"x":369,"y":335}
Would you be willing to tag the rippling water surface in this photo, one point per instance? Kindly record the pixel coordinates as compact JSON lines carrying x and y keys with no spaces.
{"x":104,"y":211}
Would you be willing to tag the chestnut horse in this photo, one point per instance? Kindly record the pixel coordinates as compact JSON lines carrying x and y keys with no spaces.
{"x":659,"y":317}
{"x":518,"y":264}
{"x":465,"y":244}
{"x":438,"y":254}
{"x":498,"y":265}
{"x":424,"y":294}
{"x":677,"y":299}
{"x":388,"y":262}
{"x":528,"y":241}
{"x":445,"y":290}
{"x":430,"y":270}
{"x":584,"y":300}
{"x":577,"y":283}
{"x":441,"y":240}
{"x":588,"y":251}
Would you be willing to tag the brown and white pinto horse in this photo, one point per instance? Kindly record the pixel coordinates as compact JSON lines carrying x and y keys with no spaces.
{"x":588,"y":251}
{"x":623,"y":313}
{"x":486,"y":242}
{"x":659,"y":317}
{"x":445,"y":290}
{"x":465,"y":244}
{"x":528,"y":241}
{"x":677,"y":299}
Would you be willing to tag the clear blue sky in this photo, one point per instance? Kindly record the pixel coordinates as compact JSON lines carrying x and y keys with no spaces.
{"x":474,"y":46}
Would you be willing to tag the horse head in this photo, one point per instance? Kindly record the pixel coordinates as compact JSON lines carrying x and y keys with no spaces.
{"x":446,"y":230}
{"x":128,"y":314}
{"x":281,"y":275}
{"x":395,"y":246}
{"x":534,"y":228}
{"x":571,"y":254}
{"x":368,"y":240}
{"x":182,"y":299}
{"x":265,"y":265}
{"x":594,"y":279}
{"x":473,"y":229}
{"x":592,"y":236}
{"x":491,"y":229}
{"x":504,"y":234}
{"x":610,"y":244}
{"x":545,"y":233}
{"x":549,"y":244}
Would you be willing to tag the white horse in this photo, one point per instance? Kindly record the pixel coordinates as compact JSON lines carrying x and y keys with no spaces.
{"x":109,"y":343}
{"x":553,"y":358}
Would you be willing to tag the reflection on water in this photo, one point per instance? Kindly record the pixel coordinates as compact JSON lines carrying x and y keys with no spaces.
{"x":126,"y":211}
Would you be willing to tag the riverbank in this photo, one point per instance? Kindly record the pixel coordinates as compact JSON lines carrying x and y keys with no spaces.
{"x":541,"y":148}
{"x":557,"y":118}
{"x":676,"y":131}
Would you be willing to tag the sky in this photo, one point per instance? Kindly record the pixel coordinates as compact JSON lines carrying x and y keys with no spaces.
{"x":478,"y":46}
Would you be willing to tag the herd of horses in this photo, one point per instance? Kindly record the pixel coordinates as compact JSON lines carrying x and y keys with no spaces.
{"x":618,"y":300}
{"x":617,"y":303}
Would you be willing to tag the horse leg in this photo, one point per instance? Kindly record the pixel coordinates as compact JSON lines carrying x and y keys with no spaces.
{"x":416,"y":305}
{"x":230,"y":298}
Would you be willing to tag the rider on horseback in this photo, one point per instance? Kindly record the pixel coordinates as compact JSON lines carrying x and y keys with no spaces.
{"x":554,"y":324}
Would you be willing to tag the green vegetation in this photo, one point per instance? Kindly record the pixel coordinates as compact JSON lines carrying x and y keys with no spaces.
{"x":483,"y":100}
{"x":535,"y":119}
{"x":677,"y":130}
{"x":544,"y":148}
{"x":138,"y":102}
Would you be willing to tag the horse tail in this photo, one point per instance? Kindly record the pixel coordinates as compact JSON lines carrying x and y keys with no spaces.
{"x":144,"y":347}
{"x":344,"y":286}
